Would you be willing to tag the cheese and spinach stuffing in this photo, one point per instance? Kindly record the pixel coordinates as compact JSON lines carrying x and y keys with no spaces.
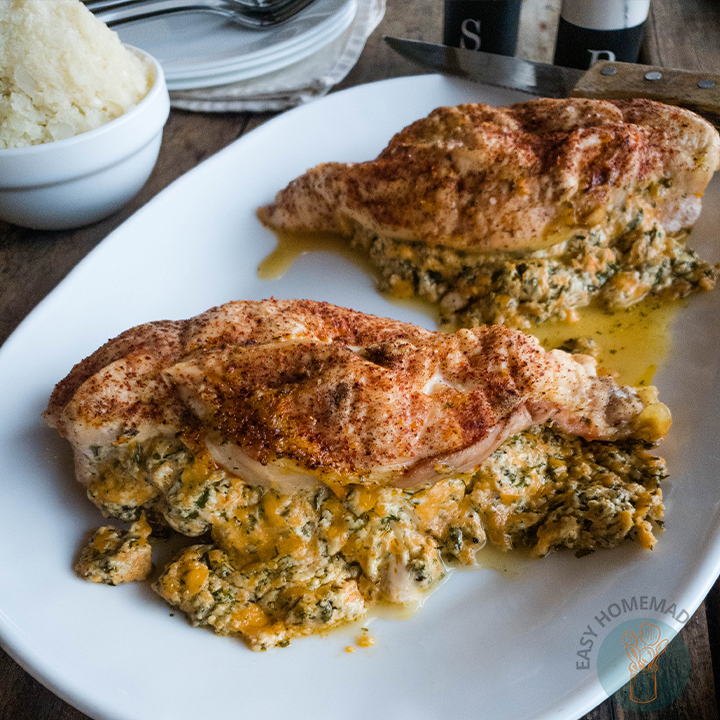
{"x":275,"y":563}
{"x":116,"y":556}
{"x":522,"y":289}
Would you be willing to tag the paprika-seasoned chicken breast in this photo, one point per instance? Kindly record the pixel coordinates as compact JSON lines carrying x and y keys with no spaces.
{"x":522,"y":213}
{"x":339,"y":458}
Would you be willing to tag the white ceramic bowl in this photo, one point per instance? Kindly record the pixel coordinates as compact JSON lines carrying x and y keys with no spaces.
{"x":73,"y":182}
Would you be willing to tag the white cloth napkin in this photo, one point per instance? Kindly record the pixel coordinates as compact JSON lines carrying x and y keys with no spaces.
{"x":308,"y":79}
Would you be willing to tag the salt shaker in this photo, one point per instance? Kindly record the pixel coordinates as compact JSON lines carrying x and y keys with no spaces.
{"x":487,"y":25}
{"x":592,"y":30}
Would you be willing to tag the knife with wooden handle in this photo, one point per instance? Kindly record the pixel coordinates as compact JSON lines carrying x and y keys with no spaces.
{"x":604,"y":80}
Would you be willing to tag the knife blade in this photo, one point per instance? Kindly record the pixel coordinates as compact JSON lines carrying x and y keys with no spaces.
{"x":605,"y":80}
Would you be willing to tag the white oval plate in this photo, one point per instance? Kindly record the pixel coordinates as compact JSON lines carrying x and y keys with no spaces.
{"x":188,"y":45}
{"x":485,"y":645}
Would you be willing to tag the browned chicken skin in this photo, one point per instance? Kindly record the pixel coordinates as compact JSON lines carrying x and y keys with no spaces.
{"x":297,"y":390}
{"x":473,"y":177}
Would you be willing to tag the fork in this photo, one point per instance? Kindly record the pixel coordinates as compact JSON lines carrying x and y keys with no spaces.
{"x":248,"y":13}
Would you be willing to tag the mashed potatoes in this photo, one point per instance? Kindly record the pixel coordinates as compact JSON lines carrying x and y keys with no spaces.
{"x":62,"y":72}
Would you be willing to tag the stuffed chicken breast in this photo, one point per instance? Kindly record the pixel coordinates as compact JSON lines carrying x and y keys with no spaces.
{"x":523,"y":213}
{"x":331,"y":460}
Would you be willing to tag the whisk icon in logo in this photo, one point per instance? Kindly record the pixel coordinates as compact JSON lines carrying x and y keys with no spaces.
{"x":647,"y":660}
{"x":643,"y":656}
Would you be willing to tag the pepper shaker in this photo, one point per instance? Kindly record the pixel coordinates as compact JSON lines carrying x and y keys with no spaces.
{"x":592,"y":30}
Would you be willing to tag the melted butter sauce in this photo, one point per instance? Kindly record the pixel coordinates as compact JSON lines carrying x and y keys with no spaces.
{"x":292,"y":245}
{"x":508,"y":563}
{"x":631,"y":342}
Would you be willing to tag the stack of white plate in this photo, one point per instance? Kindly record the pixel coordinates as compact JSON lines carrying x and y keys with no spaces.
{"x":201,"y":49}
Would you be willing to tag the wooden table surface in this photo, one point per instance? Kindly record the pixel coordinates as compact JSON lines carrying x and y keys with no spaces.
{"x":681,"y":33}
